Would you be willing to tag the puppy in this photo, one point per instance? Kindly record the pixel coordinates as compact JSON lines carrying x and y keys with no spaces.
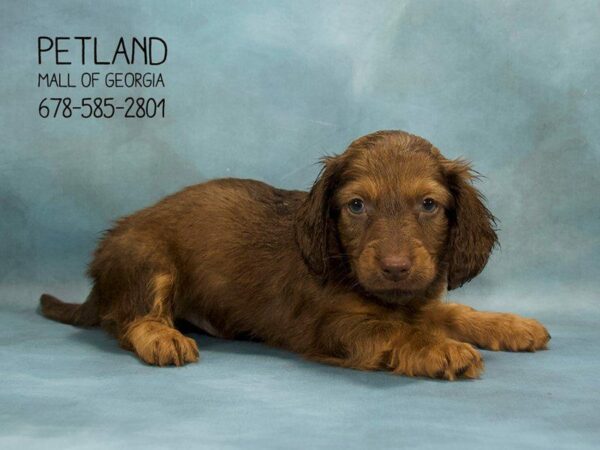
{"x":352,"y":273}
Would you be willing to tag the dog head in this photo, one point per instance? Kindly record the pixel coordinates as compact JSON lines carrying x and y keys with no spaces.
{"x":393,"y":216}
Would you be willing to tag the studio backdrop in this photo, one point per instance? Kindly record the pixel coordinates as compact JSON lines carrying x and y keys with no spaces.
{"x":106,"y":107}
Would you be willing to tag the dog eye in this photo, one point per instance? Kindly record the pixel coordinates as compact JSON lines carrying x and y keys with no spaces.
{"x":356,"y":206}
{"x":429,"y":205}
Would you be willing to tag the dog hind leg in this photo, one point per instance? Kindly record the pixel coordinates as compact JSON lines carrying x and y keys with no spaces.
{"x":152,"y":335}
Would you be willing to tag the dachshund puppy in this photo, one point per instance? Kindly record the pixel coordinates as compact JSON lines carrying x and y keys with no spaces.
{"x":352,"y":273}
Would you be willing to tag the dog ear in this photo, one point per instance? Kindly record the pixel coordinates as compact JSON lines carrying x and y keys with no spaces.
{"x":315,"y":226}
{"x":472,"y":236}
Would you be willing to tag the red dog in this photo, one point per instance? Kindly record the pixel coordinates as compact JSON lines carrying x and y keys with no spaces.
{"x":352,"y":273}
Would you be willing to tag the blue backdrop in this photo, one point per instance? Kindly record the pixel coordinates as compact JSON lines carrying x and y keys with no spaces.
{"x":261,"y":90}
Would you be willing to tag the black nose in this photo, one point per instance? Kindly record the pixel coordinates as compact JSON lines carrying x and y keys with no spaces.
{"x":395,"y":267}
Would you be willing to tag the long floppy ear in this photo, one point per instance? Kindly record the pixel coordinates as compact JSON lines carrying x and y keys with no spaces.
{"x":472,"y":235}
{"x":314,"y":222}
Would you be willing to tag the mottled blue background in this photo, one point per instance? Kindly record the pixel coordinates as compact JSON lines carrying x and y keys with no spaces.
{"x":261,"y":90}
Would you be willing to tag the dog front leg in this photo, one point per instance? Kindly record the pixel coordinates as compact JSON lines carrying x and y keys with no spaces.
{"x":370,"y":342}
{"x":488,"y":330}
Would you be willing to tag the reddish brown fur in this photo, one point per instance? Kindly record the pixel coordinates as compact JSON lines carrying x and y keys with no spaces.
{"x":302,"y":271}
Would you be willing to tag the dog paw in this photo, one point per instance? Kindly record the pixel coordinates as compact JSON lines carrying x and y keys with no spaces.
{"x":160,"y":345}
{"x":447,"y":359}
{"x":515,"y":333}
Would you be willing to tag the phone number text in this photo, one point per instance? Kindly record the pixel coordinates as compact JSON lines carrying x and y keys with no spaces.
{"x":102,"y":107}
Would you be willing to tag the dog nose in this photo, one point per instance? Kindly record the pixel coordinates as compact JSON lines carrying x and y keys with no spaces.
{"x":395,"y":267}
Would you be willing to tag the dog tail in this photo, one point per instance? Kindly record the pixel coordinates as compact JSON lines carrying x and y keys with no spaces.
{"x":84,"y":315}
